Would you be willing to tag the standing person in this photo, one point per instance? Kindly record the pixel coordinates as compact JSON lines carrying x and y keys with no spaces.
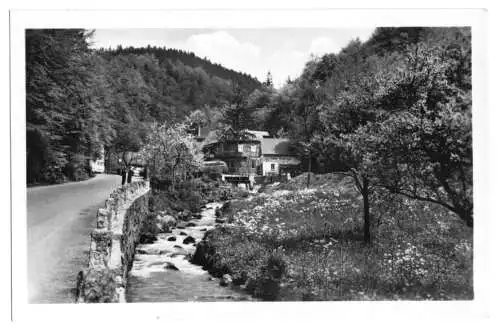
{"x":124,"y":175}
{"x":130,"y":174}
{"x":252,"y":181}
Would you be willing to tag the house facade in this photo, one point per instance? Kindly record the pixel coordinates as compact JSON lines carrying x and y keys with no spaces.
{"x":252,"y":153}
{"x":240,"y":153}
{"x":278,"y":157}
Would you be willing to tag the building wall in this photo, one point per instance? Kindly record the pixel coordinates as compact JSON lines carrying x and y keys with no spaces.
{"x":239,"y":157}
{"x":242,"y":166}
{"x":267,"y":168}
{"x":271,"y":164}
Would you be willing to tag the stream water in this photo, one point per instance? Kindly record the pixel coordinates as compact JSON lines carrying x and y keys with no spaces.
{"x":150,"y":281}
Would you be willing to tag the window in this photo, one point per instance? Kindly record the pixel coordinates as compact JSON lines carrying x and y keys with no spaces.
{"x":273,"y":167}
{"x":254,"y":163}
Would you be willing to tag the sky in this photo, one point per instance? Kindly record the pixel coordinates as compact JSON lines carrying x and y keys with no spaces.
{"x":282,"y":51}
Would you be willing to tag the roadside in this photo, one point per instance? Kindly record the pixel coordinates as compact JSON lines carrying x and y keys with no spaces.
{"x":59,"y":220}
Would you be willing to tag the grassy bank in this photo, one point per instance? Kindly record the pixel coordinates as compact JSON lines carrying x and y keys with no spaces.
{"x":293,"y":243}
{"x":192,"y":194}
{"x":184,"y":203}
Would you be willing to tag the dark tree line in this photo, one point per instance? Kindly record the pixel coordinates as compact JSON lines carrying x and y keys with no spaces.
{"x":244,"y":80}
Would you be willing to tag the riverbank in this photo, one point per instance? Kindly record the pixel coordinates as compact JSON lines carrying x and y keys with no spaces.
{"x":294,"y":243}
{"x":162,"y":271}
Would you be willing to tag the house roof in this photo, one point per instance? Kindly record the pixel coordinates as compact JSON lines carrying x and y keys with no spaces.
{"x":276,"y":146}
{"x":258,"y":134}
{"x":228,"y":135}
{"x":210,"y":138}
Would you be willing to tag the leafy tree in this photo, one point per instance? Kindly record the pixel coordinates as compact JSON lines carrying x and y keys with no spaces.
{"x":269,"y":80}
{"x":423,"y":147}
{"x":59,"y":108}
{"x":307,"y":100}
{"x":237,"y":115}
{"x":349,"y":107}
{"x":261,"y":103}
{"x":171,"y":151}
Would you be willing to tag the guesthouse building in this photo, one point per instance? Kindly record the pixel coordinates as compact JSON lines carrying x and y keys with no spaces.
{"x":278,"y":157}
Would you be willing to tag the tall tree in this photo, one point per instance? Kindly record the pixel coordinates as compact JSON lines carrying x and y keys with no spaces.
{"x":422,"y":148}
{"x":171,"y":152}
{"x":269,"y":80}
{"x":59,"y":107}
{"x":236,"y":114}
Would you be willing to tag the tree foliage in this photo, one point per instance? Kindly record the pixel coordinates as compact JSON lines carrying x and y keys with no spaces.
{"x":422,"y":147}
{"x":399,"y":117}
{"x":171,"y":152}
{"x":60,"y":113}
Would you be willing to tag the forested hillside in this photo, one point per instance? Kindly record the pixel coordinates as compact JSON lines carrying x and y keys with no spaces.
{"x":189,"y":59}
{"x":79,"y":98}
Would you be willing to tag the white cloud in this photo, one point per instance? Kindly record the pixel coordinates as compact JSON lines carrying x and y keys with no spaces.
{"x":323,"y":45}
{"x":285,"y":63}
{"x":221,"y":47}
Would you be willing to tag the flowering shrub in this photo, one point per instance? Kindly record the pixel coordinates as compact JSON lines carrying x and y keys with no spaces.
{"x":405,"y":265}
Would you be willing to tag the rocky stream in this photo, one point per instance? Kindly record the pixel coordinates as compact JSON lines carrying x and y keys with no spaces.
{"x":162,"y":272}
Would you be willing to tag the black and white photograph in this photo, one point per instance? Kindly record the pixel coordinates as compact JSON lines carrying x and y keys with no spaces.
{"x":250,"y":164}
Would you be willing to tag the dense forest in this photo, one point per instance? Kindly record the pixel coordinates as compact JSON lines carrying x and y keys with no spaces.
{"x":393,"y":112}
{"x":79,"y":99}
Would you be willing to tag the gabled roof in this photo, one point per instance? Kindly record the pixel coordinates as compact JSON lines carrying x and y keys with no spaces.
{"x":258,"y":134}
{"x":210,"y":138}
{"x":231,"y":135}
{"x":276,"y":146}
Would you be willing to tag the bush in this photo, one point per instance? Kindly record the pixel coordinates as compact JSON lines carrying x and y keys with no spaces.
{"x":52,"y":174}
{"x":266,"y":284}
{"x":77,"y":169}
{"x":230,"y":251}
{"x":52,"y":171}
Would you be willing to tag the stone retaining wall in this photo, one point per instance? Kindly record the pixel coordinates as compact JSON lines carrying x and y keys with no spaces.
{"x":112,"y":245}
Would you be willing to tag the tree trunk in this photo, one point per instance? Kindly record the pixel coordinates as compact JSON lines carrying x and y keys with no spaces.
{"x":173,"y":177}
{"x":366,"y":206}
{"x":309,"y":171}
{"x":467,"y":217}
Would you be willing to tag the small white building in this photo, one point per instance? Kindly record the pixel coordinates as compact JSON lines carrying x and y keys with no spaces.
{"x":277,"y":156}
{"x":97,"y":164}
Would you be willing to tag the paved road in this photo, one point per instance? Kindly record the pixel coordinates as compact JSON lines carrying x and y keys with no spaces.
{"x":60,"y":218}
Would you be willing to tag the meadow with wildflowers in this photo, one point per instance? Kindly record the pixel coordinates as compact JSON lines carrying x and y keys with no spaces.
{"x":295,"y":243}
